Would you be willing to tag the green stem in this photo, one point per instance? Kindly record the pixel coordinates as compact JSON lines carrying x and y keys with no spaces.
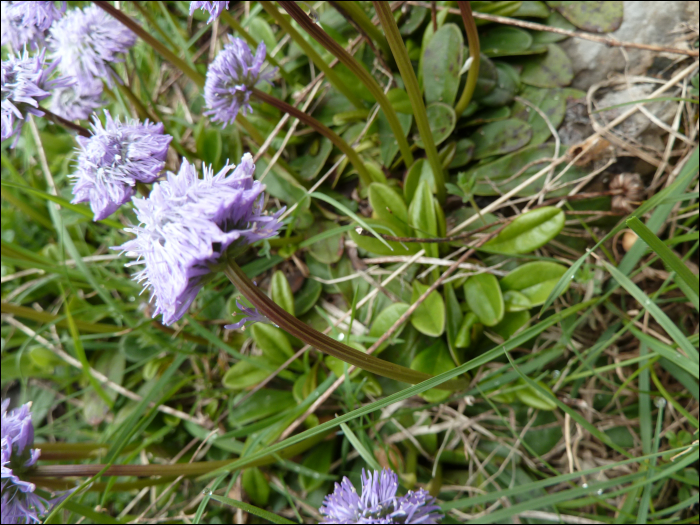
{"x":168,"y":55}
{"x":83,"y":132}
{"x":358,"y":16}
{"x":322,"y":129}
{"x":322,"y":342}
{"x":144,"y":12}
{"x":358,"y":70}
{"x":233,"y":23}
{"x":474,"y":53}
{"x":414,"y":95}
{"x":313,"y":55}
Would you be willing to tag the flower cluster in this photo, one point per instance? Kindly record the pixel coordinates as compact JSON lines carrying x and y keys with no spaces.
{"x":13,"y":31}
{"x":36,"y":14}
{"x":186,"y":225}
{"x":77,"y":101}
{"x":230,"y":78}
{"x":19,"y":503}
{"x":25,"y":82}
{"x":87,"y":41}
{"x":213,"y":8}
{"x":378,"y":502}
{"x":114,"y":159}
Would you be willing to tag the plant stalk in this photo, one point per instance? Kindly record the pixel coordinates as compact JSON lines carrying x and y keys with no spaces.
{"x":474,"y":53}
{"x":320,"y":128}
{"x":354,"y":11}
{"x":414,"y":95}
{"x":83,"y":132}
{"x":322,"y":342}
{"x":358,"y":70}
{"x":196,"y":77}
{"x":313,"y":55}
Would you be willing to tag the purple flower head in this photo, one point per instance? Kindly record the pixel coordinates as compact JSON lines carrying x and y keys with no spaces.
{"x":230,"y":79}
{"x":77,"y":101}
{"x":19,"y":503}
{"x":14,"y":32}
{"x":378,"y":502}
{"x":214,"y":8}
{"x":114,"y":159}
{"x":25,"y":82}
{"x":252,"y":317}
{"x":186,"y":225}
{"x":37,"y":14}
{"x":87,"y":41}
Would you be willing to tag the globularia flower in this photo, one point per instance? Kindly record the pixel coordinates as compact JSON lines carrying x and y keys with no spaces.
{"x":378,"y":502}
{"x":19,"y":503}
{"x":77,"y":101}
{"x":213,"y":8}
{"x":114,"y":158}
{"x":25,"y":82}
{"x":37,"y":14}
{"x":186,"y":225}
{"x":87,"y":41}
{"x":14,"y":33}
{"x":252,"y":316}
{"x":230,"y":78}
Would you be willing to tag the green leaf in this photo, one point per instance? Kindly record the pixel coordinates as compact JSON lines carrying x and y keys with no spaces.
{"x":263,"y":403}
{"x":318,"y":459}
{"x":671,"y":260}
{"x":504,"y":41}
{"x":260,"y":30}
{"x":245,"y":374}
{"x":273,"y":342}
{"x":442,"y":60}
{"x":511,"y":323}
{"x":360,"y":448}
{"x":552,"y":102}
{"x":422,"y":216}
{"x":597,"y":17}
{"x":429,"y":317}
{"x":434,"y":360}
{"x":382,"y":247}
{"x":528,"y":231}
{"x":419,"y":171}
{"x":399,"y":101}
{"x":551,"y":70}
{"x":310,"y":164}
{"x":306,"y":297}
{"x":484,"y":298}
{"x":547,"y":37}
{"x":256,"y":486}
{"x":532,"y":397}
{"x":385,"y":320}
{"x":500,"y":137}
{"x":535,"y":280}
{"x":388,"y":146}
{"x":328,"y":250}
{"x":469,"y":331}
{"x":507,"y":86}
{"x":250,"y":509}
{"x":281,"y":292}
{"x":515,"y":301}
{"x":389,"y":207}
{"x":442,"y":120}
{"x":463,"y":154}
{"x":209,"y":144}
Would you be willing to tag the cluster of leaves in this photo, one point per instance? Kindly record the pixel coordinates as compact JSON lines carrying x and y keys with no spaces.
{"x":533,"y":366}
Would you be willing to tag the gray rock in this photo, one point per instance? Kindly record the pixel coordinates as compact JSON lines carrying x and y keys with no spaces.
{"x":644,"y":23}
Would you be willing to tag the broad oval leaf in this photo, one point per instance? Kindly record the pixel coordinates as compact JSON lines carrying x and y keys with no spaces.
{"x":256,"y":486}
{"x":484,"y":298}
{"x":442,"y":61}
{"x":434,"y":360}
{"x":319,"y":460}
{"x":306,"y":297}
{"x":453,"y":319}
{"x":389,"y":207}
{"x":597,"y":17}
{"x":550,"y":70}
{"x":245,"y":374}
{"x":463,"y":153}
{"x":501,"y":40}
{"x":528,"y":232}
{"x":330,"y":249}
{"x":516,"y":301}
{"x":273,"y":342}
{"x":374,"y":245}
{"x":423,"y":218}
{"x":420,"y":170}
{"x":500,"y":137}
{"x":385,"y":320}
{"x":469,"y":331}
{"x":534,"y":280}
{"x":442,"y":120}
{"x":429,"y":317}
{"x":281,"y":292}
{"x":512,"y":323}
